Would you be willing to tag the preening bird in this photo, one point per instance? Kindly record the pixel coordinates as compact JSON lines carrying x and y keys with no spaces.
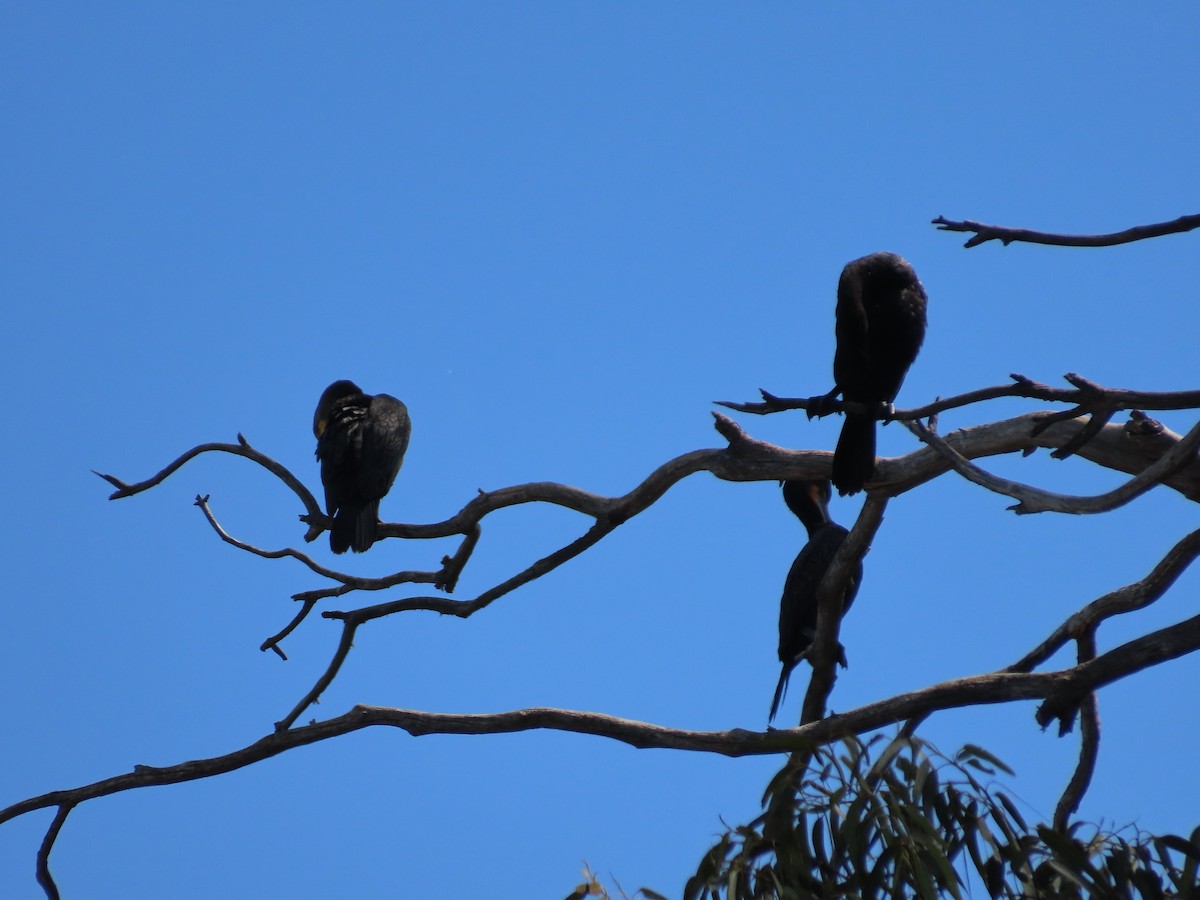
{"x":809,"y":500}
{"x":880,"y":327}
{"x":360,"y":442}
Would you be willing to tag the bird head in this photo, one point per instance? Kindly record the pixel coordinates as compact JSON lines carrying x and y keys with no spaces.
{"x":808,"y":499}
{"x":335,"y":392}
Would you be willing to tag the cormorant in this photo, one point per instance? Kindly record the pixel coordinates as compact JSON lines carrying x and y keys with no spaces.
{"x":880,"y":327}
{"x":809,"y":500}
{"x":360,"y":442}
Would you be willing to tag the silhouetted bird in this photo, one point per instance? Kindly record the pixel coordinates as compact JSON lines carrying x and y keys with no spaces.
{"x":809,"y":500}
{"x":880,"y":327}
{"x":360,"y":442}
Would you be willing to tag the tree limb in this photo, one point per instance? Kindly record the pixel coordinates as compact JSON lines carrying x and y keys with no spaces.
{"x":1089,"y":744}
{"x":985,"y":233}
{"x":822,"y":655}
{"x":1125,"y":599}
{"x":1057,"y":689}
{"x":1034,"y":500}
{"x":1086,"y":396}
{"x":1061,"y":691}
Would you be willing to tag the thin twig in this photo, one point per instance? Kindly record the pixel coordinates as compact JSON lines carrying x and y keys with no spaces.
{"x":350,"y":582}
{"x":241,"y":448}
{"x":273,"y":642}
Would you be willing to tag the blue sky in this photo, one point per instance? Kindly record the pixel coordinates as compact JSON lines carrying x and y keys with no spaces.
{"x":557,"y":232}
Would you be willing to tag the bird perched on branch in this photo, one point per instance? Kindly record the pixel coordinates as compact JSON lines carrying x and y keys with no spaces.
{"x":809,"y":500}
{"x":880,"y":327}
{"x":360,"y":442}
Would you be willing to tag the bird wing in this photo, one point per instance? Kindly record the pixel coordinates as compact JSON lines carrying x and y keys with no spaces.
{"x":339,"y":448}
{"x":385,"y":433}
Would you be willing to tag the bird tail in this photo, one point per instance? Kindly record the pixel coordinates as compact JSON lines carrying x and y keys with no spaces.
{"x":355,"y":528}
{"x":780,"y":690}
{"x":854,"y":458}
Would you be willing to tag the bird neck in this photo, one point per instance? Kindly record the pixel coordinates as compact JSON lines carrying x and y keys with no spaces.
{"x":815,"y":522}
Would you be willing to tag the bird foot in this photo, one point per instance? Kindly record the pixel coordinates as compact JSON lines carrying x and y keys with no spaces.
{"x":822,"y":405}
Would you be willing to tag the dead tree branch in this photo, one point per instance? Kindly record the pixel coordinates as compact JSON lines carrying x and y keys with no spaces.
{"x":348,"y":582}
{"x":1087,"y":397}
{"x":1089,"y":744}
{"x":1033,"y":500}
{"x":745,"y":459}
{"x":984,"y":233}
{"x":241,"y":448}
{"x":1141,"y":448}
{"x":1123,"y":600}
{"x":1061,"y":692}
{"x":44,"y":878}
{"x":822,"y":655}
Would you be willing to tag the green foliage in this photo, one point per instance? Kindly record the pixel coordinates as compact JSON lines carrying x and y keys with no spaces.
{"x":915,"y":823}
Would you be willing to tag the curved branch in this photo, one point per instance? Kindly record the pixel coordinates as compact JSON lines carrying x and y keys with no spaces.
{"x":997,"y":687}
{"x":1032,"y":500}
{"x":241,"y":448}
{"x":746,"y":459}
{"x":273,"y":642}
{"x":1061,"y":691}
{"x":349,"y":582}
{"x":1006,"y":235}
{"x":1125,"y":599}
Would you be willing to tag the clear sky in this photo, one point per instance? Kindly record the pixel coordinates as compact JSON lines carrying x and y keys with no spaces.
{"x":557,"y":231}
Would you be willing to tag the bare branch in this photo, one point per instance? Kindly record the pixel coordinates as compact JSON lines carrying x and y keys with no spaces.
{"x":1032,"y":500}
{"x":1059,"y":690}
{"x":1089,"y":744}
{"x":746,"y":459}
{"x":1062,"y":692}
{"x":314,"y":693}
{"x":1141,"y":653}
{"x":273,"y":642}
{"x":1086,"y":396}
{"x":985,"y":233}
{"x":241,"y":448}
{"x":822,"y":655}
{"x":44,"y":878}
{"x":1125,"y":599}
{"x":350,"y":582}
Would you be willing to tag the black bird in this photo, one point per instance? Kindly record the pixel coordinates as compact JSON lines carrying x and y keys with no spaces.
{"x":880,"y":327}
{"x":360,"y":442}
{"x":809,"y":500}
